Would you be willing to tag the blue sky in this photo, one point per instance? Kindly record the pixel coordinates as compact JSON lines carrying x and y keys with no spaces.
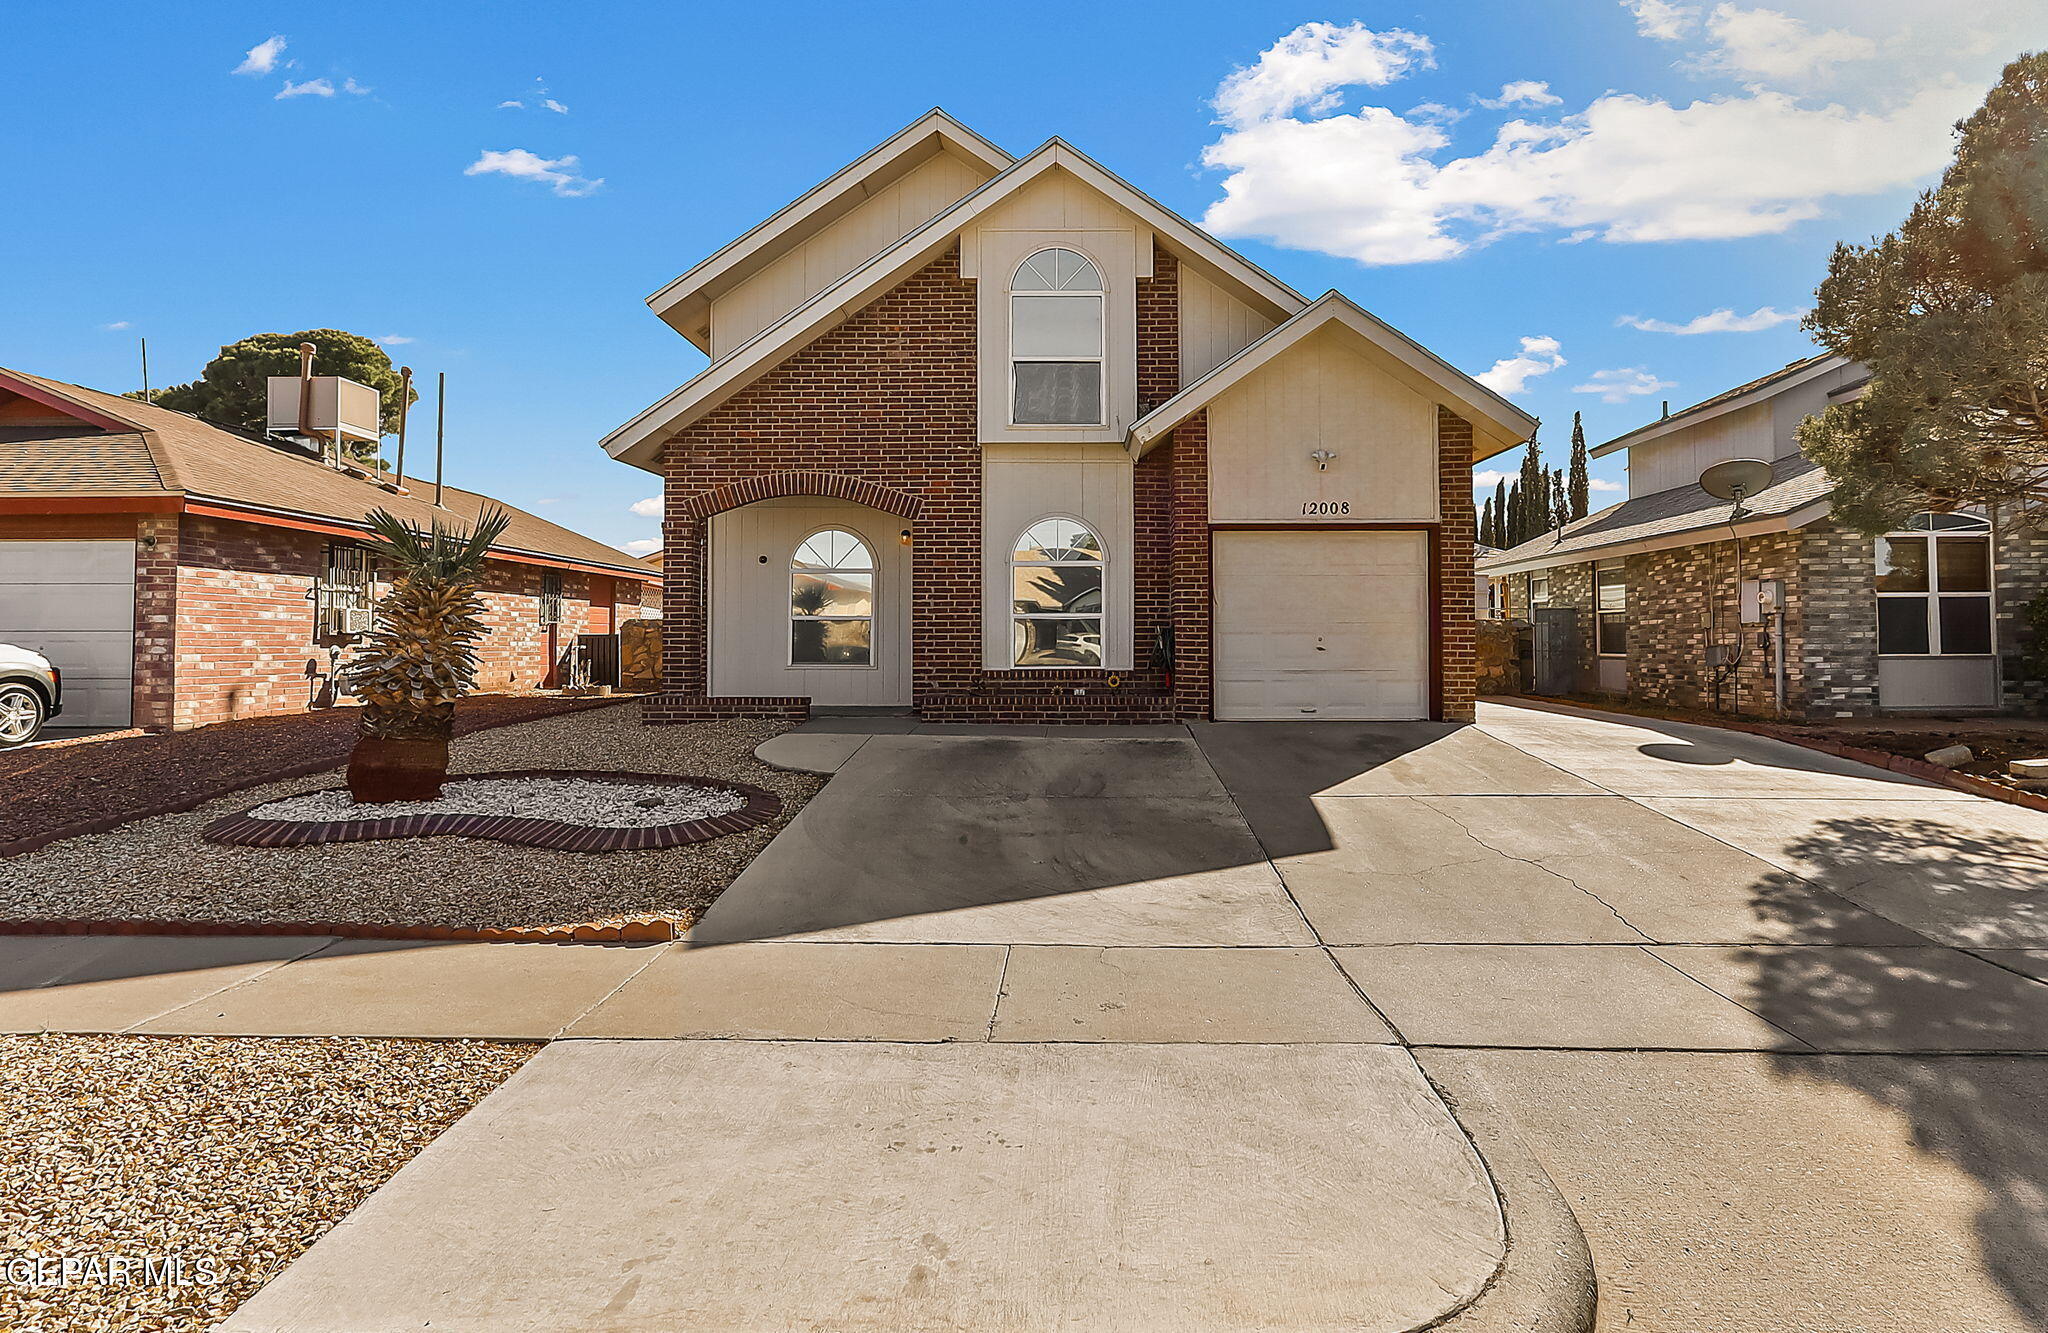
{"x":1477,"y":175}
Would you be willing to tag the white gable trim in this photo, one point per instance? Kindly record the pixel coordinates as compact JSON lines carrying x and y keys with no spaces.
{"x":1492,"y":416}
{"x":764,"y":242}
{"x":635,"y":442}
{"x":1687,"y":417}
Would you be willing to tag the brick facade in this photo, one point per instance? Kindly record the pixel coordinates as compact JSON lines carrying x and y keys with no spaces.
{"x":1457,"y":689}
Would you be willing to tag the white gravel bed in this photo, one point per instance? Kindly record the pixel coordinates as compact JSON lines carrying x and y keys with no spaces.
{"x":161,"y":870}
{"x":578,"y":801}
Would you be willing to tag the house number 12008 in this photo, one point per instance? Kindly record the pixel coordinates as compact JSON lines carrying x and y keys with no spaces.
{"x":1325,"y":508}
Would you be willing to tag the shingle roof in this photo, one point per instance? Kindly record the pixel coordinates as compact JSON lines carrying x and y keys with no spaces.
{"x":1795,"y":484}
{"x":42,"y":463}
{"x":208,"y":462}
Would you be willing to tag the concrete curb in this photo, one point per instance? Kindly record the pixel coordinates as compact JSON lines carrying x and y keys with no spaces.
{"x":1546,"y":1283}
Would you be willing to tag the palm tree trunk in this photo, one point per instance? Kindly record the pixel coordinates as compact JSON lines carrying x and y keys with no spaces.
{"x":401,"y":758}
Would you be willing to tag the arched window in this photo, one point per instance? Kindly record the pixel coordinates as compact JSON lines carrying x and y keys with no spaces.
{"x":1056,"y":595}
{"x":1056,"y":347}
{"x":1934,"y":587}
{"x":831,"y":601}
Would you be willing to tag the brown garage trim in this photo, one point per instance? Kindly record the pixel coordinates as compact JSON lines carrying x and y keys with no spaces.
{"x":1435,"y":532}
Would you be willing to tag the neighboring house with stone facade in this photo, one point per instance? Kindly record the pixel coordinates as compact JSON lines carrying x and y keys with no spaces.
{"x":1002,"y":438}
{"x":1639,"y":594}
{"x":179,"y":574}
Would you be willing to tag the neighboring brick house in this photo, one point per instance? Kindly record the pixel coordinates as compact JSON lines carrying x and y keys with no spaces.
{"x":1003,"y":439}
{"x":180,"y":574}
{"x":1924,"y":619}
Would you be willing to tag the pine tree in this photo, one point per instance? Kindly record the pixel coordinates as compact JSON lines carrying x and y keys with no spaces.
{"x":1581,"y":485}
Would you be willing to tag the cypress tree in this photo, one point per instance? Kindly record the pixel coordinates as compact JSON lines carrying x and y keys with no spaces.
{"x":1515,"y":525}
{"x":1533,"y":514}
{"x":1500,"y":514}
{"x":1581,"y":485}
{"x":1486,"y":522}
{"x":1560,"y":500}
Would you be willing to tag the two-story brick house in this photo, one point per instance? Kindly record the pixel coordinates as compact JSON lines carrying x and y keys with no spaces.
{"x":1676,"y":597}
{"x":1000,"y":438}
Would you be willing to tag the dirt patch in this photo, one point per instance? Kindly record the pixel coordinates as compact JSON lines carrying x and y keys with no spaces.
{"x":102,"y":778}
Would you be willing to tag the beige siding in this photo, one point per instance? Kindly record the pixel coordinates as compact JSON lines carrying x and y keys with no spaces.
{"x":1327,"y":392}
{"x":1057,"y":209}
{"x":749,"y":624}
{"x":1679,"y":458}
{"x":1022,"y":484}
{"x":892,"y":212}
{"x":1214,"y":325}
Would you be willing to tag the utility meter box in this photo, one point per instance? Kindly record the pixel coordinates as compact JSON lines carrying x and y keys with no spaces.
{"x":1761,"y":599}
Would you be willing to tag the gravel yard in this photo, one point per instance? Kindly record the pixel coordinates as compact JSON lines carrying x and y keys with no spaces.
{"x":159,"y":869}
{"x":568,"y":800}
{"x":233,"y":1154}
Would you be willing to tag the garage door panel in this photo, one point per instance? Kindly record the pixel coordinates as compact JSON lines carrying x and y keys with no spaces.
{"x":1322,"y":624}
{"x":74,"y":602}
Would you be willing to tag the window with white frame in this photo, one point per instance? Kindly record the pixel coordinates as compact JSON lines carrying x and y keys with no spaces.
{"x":1056,"y":348}
{"x":1056,"y":595}
{"x":1610,"y":608}
{"x":831,"y":601}
{"x":348,"y":577}
{"x":1934,"y":587}
{"x":1539,"y":589}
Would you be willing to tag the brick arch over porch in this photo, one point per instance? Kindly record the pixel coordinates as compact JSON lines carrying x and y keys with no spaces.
{"x":777,"y":485}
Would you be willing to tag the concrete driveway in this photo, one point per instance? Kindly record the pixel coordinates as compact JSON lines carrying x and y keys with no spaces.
{"x":1024,"y":1031}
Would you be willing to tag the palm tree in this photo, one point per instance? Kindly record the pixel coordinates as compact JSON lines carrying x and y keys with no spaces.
{"x":421,"y":656}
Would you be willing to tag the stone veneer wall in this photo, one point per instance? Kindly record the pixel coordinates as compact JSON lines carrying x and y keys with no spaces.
{"x":1837,"y":643}
{"x":2021,"y":573}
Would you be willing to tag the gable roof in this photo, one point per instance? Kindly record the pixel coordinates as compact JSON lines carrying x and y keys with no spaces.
{"x":1798,"y":494}
{"x":1742,"y":395}
{"x":638,"y":440}
{"x":1503,"y":424}
{"x":685,"y":302}
{"x":146,"y":450}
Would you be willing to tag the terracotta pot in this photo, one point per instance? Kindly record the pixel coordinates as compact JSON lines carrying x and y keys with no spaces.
{"x":381,"y":769}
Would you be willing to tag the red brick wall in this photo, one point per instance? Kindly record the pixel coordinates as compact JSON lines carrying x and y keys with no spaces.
{"x":156,"y":601}
{"x":888,"y":397}
{"x":1457,"y":586}
{"x":1192,"y":601}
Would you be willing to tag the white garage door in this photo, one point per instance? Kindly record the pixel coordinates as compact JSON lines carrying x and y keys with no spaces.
{"x":1322,"y":625}
{"x":74,"y":602}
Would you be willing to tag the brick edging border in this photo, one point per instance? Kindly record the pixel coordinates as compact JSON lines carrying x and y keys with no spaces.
{"x":37,"y":841}
{"x":631,"y":930}
{"x":1897,"y":763}
{"x":243,"y":829}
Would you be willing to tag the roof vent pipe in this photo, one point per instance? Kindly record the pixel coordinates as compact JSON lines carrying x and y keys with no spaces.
{"x":1667,"y":410}
{"x":306,"y":351}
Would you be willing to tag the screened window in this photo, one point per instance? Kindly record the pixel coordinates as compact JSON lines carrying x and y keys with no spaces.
{"x":1610,"y":609}
{"x":551,"y":597}
{"x":1934,"y":587}
{"x":349,"y":578}
{"x":831,"y":601}
{"x":1056,"y":595}
{"x":1056,"y":349}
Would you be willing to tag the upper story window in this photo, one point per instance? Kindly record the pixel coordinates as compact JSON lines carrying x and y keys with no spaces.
{"x":831,"y":601}
{"x":1056,"y":349}
{"x":1056,"y":595}
{"x":1934,"y":587}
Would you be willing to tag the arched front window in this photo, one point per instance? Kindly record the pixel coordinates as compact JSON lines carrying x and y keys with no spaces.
{"x":1056,"y":347}
{"x":1934,"y":587}
{"x":1056,"y":595}
{"x":831,"y":601}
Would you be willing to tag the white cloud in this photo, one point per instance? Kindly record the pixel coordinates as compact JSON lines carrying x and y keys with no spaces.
{"x":1511,"y":374}
{"x":648,"y":508}
{"x":552,"y":105}
{"x":1723,"y":320}
{"x":645,"y":546}
{"x":1618,"y":386}
{"x":262,"y":57}
{"x":310,"y":88}
{"x":116,"y":326}
{"x":1309,"y":67}
{"x":1602,"y":484}
{"x":1770,"y":44}
{"x":1490,"y":478}
{"x":1522,"y":92}
{"x":1661,"y":19}
{"x":355,"y":89}
{"x":558,"y":173}
{"x":514,"y":104}
{"x":394,"y":340}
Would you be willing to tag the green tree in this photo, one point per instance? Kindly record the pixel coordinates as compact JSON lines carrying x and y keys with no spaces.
{"x":1500,"y":513}
{"x":1560,"y":502}
{"x":1514,"y":537}
{"x":231,"y":389}
{"x":422,"y":655}
{"x":1581,"y":485}
{"x":1950,"y":315}
{"x":1486,"y":522}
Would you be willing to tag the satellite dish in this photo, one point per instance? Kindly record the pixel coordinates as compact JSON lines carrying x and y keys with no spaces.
{"x":1736,"y":479}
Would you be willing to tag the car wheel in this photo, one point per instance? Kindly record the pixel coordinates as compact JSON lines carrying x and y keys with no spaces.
{"x":21,"y":715}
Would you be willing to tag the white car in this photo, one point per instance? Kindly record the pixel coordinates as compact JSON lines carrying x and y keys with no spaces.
{"x":31,"y":693}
